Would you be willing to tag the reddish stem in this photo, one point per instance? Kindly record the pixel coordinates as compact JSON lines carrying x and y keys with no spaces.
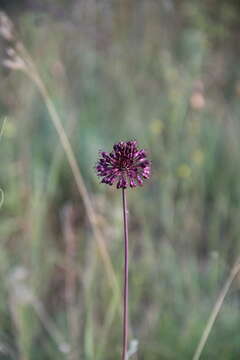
{"x":125,"y":292}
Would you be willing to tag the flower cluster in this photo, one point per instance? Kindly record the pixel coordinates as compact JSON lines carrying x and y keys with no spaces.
{"x":126,"y":165}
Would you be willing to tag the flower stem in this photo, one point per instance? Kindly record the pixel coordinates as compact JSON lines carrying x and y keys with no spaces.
{"x":125,"y":291}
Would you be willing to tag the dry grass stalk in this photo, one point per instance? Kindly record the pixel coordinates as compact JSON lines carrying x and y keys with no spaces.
{"x":18,"y":58}
{"x":216,"y":310}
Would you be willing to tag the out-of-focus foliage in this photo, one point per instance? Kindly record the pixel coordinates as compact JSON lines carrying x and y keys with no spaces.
{"x":167,"y":74}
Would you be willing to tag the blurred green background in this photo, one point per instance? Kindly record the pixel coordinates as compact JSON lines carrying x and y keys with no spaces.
{"x":163,"y":72}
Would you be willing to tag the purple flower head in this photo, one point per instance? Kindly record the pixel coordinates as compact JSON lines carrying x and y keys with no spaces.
{"x":126,"y":165}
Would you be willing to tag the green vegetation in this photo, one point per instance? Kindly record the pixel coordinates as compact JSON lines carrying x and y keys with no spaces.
{"x":166,"y":75}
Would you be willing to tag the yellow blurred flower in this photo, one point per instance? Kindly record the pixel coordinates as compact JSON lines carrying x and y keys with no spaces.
{"x":9,"y":129}
{"x":198,"y":157}
{"x":184,"y":171}
{"x":156,"y":127}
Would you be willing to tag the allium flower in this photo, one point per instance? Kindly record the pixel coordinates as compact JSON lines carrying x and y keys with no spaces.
{"x":126,"y":165}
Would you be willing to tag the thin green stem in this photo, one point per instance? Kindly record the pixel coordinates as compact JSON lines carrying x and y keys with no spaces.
{"x":125,"y":290}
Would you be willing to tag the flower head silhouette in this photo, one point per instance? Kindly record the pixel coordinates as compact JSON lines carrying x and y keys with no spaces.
{"x":126,"y":165}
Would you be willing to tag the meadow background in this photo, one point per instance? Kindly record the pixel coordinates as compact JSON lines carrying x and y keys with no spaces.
{"x":163,"y":72}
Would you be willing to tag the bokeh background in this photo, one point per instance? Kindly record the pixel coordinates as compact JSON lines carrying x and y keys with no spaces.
{"x":163,"y":72}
